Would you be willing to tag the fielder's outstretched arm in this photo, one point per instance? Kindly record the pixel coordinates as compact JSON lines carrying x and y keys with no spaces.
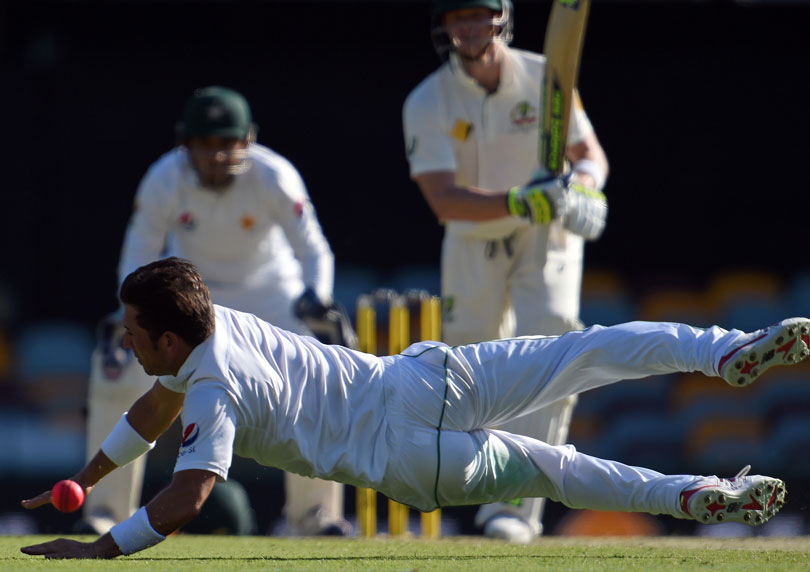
{"x":149,"y":417}
{"x":155,"y":411}
{"x":173,"y":507}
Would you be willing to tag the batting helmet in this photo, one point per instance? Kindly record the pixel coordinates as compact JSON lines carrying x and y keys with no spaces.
{"x":444,"y":6}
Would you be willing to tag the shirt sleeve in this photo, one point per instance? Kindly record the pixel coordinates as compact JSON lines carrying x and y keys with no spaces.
{"x":580,"y":124}
{"x":427,"y":143}
{"x":148,"y":227}
{"x":209,"y":430}
{"x":294,"y":212}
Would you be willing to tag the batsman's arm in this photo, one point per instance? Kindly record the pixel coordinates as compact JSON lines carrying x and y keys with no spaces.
{"x":448,"y":201}
{"x":590,"y":164}
{"x":432,"y":162}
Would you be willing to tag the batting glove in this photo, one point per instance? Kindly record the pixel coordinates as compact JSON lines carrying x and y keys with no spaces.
{"x":585,"y":211}
{"x":540,"y":201}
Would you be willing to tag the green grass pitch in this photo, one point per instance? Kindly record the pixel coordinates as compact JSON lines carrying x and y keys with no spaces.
{"x":470,"y":554}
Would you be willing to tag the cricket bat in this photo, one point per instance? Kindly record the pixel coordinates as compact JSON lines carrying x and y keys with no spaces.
{"x":562,"y":47}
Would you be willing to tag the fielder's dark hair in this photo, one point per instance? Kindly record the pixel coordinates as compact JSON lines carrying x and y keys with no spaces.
{"x":170,"y":296}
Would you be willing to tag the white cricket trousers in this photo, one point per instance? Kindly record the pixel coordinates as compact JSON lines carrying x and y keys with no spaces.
{"x":442,"y":402}
{"x":536,"y":276}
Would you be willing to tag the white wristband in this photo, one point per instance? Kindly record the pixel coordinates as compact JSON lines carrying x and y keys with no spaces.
{"x":592,"y":168}
{"x":135,"y":533}
{"x":124,"y":444}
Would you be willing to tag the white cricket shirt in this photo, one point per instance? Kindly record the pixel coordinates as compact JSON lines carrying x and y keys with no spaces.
{"x":261,"y":227}
{"x":286,"y":401}
{"x":490,"y":140}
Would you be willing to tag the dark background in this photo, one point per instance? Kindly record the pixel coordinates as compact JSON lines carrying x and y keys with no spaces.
{"x":699,"y":106}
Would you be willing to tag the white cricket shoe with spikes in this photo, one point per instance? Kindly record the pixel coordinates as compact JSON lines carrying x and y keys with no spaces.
{"x":785,"y":343}
{"x":748,"y":500}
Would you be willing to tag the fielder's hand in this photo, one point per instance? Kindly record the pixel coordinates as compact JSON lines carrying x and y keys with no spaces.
{"x":45,"y":498}
{"x":40,"y":500}
{"x":63,"y":548}
{"x":540,"y":201}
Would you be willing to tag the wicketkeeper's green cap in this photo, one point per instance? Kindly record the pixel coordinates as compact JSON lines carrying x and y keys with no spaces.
{"x":442,"y":7}
{"x":216,"y":111}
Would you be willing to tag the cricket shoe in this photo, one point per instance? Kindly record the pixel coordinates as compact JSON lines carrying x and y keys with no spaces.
{"x":748,"y":500}
{"x":785,"y":343}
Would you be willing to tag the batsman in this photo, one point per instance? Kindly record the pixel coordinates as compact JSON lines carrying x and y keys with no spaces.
{"x":515,"y":224}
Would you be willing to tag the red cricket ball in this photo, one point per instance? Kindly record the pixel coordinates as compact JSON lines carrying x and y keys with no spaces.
{"x":67,"y":496}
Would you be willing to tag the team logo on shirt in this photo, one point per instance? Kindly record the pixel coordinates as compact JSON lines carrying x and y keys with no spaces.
{"x":461,"y":130}
{"x":186,"y":220}
{"x":524,"y":116}
{"x":190,"y":434}
{"x":299,"y":209}
{"x":247,"y":222}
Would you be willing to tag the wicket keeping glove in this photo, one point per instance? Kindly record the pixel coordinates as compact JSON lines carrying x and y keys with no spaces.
{"x":330,"y":324}
{"x":541,"y":201}
{"x":110,"y":343}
